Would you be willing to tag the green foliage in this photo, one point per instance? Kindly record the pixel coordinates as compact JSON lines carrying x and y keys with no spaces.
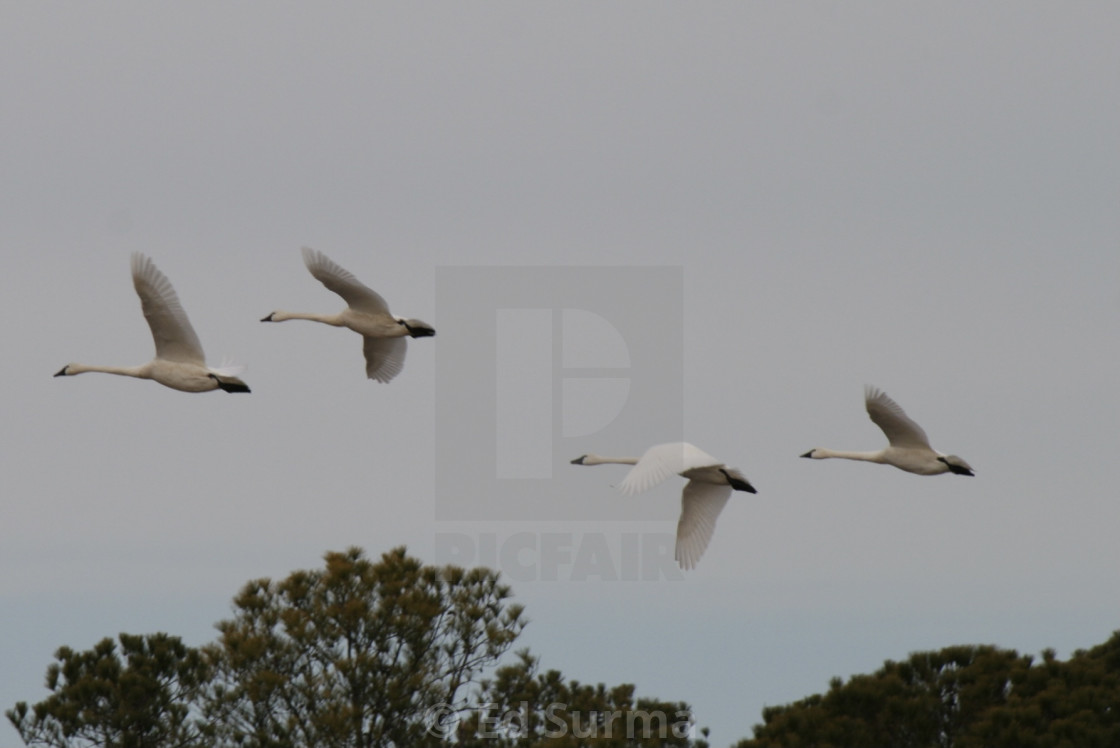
{"x":134,"y":698}
{"x":365,"y":654}
{"x":1073,"y":704}
{"x":356,"y":654}
{"x":960,"y":697}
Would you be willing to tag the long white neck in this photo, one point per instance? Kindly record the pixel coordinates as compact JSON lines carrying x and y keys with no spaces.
{"x":820,"y":454}
{"x":144,"y":371}
{"x":326,"y":319}
{"x":597,"y":460}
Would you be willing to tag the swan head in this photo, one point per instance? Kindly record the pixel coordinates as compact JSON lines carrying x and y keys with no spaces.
{"x":417,"y":328}
{"x":591,"y":459}
{"x":281,"y":316}
{"x":956,"y":465}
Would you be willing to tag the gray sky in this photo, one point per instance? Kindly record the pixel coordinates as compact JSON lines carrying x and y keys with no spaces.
{"x":920,"y":197}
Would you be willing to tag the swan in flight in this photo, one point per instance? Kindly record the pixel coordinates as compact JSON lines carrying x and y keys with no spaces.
{"x":366,"y":313}
{"x":709,"y":486}
{"x":179,"y":363}
{"x":909,"y":447}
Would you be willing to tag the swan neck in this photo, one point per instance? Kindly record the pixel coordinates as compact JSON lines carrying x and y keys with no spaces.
{"x":327,"y":319}
{"x":140,"y":372}
{"x":843,"y":455}
{"x":597,"y":460}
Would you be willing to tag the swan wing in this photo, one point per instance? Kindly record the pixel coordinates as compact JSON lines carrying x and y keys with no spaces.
{"x":175,"y":339}
{"x":888,"y":415}
{"x":384,"y":357}
{"x":661,"y":461}
{"x":701,"y":504}
{"x":357,"y":295}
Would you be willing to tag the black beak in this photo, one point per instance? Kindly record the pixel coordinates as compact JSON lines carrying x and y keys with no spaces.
{"x":62,"y":371}
{"x":578,"y":460}
{"x":808,"y":454}
{"x":268,"y":318}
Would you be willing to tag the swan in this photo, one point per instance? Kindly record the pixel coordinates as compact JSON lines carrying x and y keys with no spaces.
{"x":710,"y":483}
{"x":366,"y":313}
{"x":909,"y":447}
{"x":179,"y":363}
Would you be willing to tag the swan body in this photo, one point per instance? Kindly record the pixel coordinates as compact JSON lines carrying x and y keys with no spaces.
{"x":366,"y":313}
{"x":908,"y":448}
{"x":710,"y":483}
{"x":179,"y":363}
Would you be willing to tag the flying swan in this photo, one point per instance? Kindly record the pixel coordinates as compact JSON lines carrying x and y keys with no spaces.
{"x":366,"y":313}
{"x":179,"y":363}
{"x":709,"y":486}
{"x":909,"y":447}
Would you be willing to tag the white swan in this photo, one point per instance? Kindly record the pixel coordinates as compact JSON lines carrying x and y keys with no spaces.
{"x":366,"y":314}
{"x":179,"y":363}
{"x":909,"y":447}
{"x":709,"y":486}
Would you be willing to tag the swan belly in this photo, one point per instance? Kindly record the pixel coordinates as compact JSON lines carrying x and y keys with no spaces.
{"x":373,"y":325}
{"x":707,"y":474}
{"x":919,"y":461}
{"x":182,"y":376}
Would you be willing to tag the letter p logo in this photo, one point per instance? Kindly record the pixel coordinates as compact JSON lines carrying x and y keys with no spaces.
{"x":537,"y":365}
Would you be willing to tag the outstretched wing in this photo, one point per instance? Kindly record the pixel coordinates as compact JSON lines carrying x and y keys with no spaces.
{"x":661,"y":461}
{"x":888,"y":415}
{"x":701,"y":504}
{"x":174,"y":337}
{"x":384,"y":357}
{"x":358,"y":296}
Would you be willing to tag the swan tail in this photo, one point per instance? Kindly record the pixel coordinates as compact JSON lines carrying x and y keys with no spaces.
{"x":229,"y":368}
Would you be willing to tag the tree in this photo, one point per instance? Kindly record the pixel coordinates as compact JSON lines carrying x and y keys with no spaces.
{"x":99,"y":699}
{"x":1054,"y":703}
{"x":358,"y":654}
{"x":521,"y":707}
{"x":926,"y":701}
{"x":961,"y":697}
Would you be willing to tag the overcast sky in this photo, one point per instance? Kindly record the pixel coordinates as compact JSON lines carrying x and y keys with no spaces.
{"x":922,"y":197}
